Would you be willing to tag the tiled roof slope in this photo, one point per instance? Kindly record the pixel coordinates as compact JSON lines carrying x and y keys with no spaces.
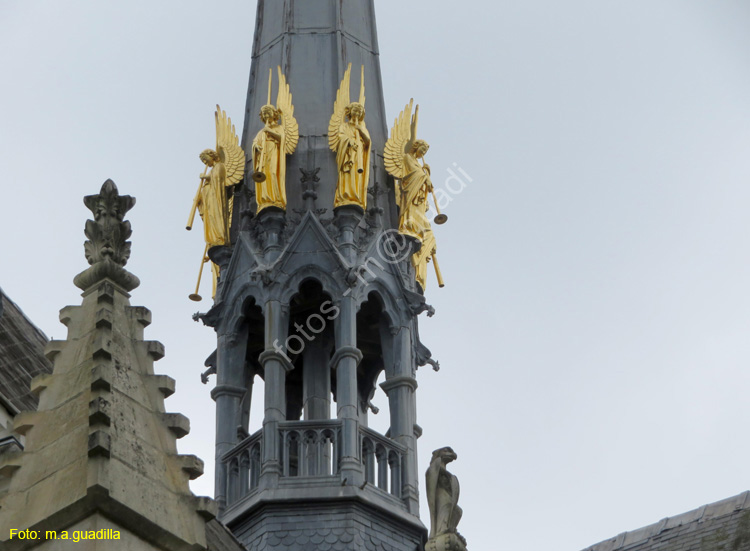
{"x":721,"y":526}
{"x":21,"y":356}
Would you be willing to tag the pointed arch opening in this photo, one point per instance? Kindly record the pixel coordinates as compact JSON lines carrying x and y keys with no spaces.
{"x":253,"y":326}
{"x":310,"y":346}
{"x":375,"y":341}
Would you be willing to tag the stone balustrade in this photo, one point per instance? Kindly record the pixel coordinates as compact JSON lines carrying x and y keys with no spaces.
{"x":243,"y":468}
{"x":312,"y":450}
{"x":384,"y":460}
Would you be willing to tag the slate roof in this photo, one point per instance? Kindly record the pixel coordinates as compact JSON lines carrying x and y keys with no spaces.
{"x":720,"y":526}
{"x":328,"y":538}
{"x":21,"y":357}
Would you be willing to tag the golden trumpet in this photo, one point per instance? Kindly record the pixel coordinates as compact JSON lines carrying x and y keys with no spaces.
{"x":440,"y":218}
{"x":195,"y":296}
{"x":259,"y":177}
{"x":441,"y":283}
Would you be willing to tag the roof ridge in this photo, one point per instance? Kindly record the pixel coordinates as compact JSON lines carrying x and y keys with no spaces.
{"x":712,"y":510}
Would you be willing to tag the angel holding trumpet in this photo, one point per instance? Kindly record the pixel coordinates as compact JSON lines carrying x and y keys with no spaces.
{"x":225,"y":167}
{"x":277,"y":139}
{"x":403,"y":153}
{"x":349,"y":139}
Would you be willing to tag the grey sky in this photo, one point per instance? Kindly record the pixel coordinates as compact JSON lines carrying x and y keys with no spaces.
{"x":594,"y":330}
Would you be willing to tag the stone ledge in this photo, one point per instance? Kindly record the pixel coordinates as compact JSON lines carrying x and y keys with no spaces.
{"x":177,"y":423}
{"x":53,"y":348}
{"x":24,"y":421}
{"x":66,"y":314}
{"x":165,"y":384}
{"x":155,"y":349}
{"x":141,"y":314}
{"x":40,"y":382}
{"x":206,"y":507}
{"x":10,"y":462}
{"x":191,"y":464}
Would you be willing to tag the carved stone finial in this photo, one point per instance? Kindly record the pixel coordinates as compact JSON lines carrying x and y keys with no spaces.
{"x":309,"y":181}
{"x":442,"y":499}
{"x":107,"y":248}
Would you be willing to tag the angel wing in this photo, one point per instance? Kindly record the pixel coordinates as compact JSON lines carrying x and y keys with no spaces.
{"x":343,"y":99}
{"x":284,"y":104}
{"x":400,"y":142}
{"x":228,"y":148}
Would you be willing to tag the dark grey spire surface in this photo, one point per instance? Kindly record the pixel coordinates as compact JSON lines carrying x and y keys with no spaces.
{"x":313,"y":41}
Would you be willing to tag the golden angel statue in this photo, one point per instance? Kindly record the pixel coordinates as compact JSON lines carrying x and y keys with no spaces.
{"x":403,"y":152}
{"x":277,"y":139}
{"x":349,"y":139}
{"x":225,"y":166}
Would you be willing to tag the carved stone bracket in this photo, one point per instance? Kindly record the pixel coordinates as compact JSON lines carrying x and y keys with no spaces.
{"x":424,"y":357}
{"x":210,"y":363}
{"x":212,"y":318}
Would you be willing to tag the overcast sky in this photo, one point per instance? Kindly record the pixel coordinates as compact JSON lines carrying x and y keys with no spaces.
{"x":594,"y":333}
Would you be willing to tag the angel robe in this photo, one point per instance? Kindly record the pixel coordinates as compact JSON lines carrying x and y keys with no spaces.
{"x":415,"y":187}
{"x":269,"y":157}
{"x":213,"y":206}
{"x":353,"y":162}
{"x":420,"y":259}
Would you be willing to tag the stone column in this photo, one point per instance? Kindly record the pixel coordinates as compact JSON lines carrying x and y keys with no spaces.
{"x":275,"y":364}
{"x":347,"y":218}
{"x":228,"y":394}
{"x":316,"y":380}
{"x":345,"y":362}
{"x":272,"y":220}
{"x":401,"y":390}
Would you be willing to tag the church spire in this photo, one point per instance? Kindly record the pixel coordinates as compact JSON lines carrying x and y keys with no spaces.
{"x":319,"y":295}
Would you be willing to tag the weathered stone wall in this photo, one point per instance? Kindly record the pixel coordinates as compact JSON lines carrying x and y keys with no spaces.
{"x":127,"y":542}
